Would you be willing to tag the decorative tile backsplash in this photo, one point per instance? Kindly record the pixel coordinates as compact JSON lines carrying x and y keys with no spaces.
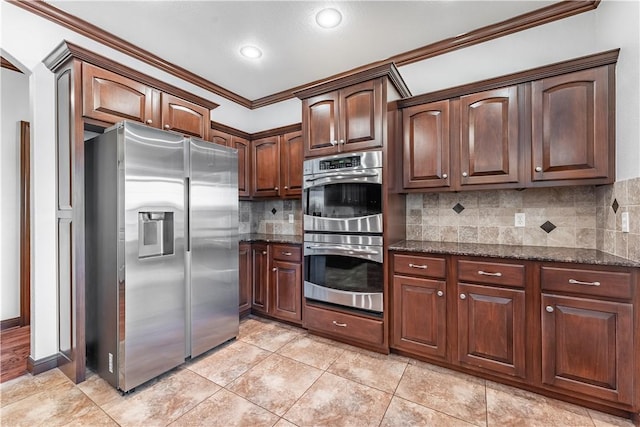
{"x":575,"y":217}
{"x":270,"y":216}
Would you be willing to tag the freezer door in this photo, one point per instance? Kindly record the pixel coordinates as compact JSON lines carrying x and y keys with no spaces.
{"x":152,"y":325}
{"x":214,"y":245}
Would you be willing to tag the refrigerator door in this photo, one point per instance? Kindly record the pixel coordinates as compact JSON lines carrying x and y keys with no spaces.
{"x":213,"y":245}
{"x":152,"y":325}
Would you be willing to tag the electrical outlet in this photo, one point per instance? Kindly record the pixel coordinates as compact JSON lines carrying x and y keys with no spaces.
{"x":625,"y":222}
{"x":290,"y":218}
{"x":519,"y":220}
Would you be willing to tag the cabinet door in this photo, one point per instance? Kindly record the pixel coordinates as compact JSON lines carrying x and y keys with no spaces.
{"x":287,"y":290}
{"x":320,"y":124}
{"x":291,"y":164}
{"x":419,"y":316}
{"x":185,"y":117}
{"x":361,"y":116}
{"x":244,"y":165}
{"x":426,"y":145}
{"x":221,"y":138}
{"x":570,"y":126}
{"x":491,"y":329}
{"x":587,"y":347}
{"x":489,"y":137}
{"x":265,"y":153}
{"x":244,"y":270}
{"x":110,"y":97}
{"x":260,"y":277}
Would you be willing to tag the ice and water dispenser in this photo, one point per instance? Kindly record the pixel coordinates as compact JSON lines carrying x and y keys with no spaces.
{"x":155,"y":234}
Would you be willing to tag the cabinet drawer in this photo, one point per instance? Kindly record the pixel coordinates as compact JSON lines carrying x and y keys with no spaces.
{"x":344,"y":325}
{"x":612,"y":284}
{"x":495,"y":273}
{"x":286,"y":253}
{"x":419,"y":265}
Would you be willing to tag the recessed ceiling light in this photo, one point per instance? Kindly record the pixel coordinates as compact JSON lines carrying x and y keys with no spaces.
{"x":251,"y":52}
{"x":328,"y":18}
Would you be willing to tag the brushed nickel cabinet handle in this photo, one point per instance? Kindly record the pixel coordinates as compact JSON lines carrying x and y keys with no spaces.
{"x":342,"y":141}
{"x":538,"y":168}
{"x":420,"y":266}
{"x":334,"y":142}
{"x":463,"y":296}
{"x":149,"y":121}
{"x":440,"y":293}
{"x":167,"y":127}
{"x":274,"y":269}
{"x":485,"y":273}
{"x":286,"y":253}
{"x":445,"y":176}
{"x":549,"y":309}
{"x":578,"y":282}
{"x":342,"y":325}
{"x":286,"y":187}
{"x":264,"y":252}
{"x":276,"y":188}
{"x":465,"y":174}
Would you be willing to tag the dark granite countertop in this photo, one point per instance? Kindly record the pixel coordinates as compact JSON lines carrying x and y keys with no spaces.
{"x":534,"y":253}
{"x":272,"y":238}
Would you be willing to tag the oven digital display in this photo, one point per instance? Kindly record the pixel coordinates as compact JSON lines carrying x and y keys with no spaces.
{"x":341,"y":163}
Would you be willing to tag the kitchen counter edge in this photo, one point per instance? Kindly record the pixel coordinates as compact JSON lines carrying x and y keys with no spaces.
{"x":532,"y":253}
{"x":292,"y":239}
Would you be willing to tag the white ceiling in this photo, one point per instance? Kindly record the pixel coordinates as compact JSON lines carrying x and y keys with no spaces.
{"x":204,"y":37}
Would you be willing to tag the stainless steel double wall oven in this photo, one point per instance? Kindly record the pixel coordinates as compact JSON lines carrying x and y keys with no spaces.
{"x":342,"y":207}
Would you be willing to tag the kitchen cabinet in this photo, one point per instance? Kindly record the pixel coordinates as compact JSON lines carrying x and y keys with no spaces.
{"x":243,"y":145}
{"x":419,"y":305}
{"x":260,"y":277}
{"x":109,"y":97}
{"x":367,"y":331}
{"x":426,"y":151}
{"x":549,"y":126}
{"x":244,"y":278}
{"x":347,"y":119}
{"x":276,"y":271}
{"x":572,"y":121}
{"x":587,"y":338}
{"x":277,"y":165}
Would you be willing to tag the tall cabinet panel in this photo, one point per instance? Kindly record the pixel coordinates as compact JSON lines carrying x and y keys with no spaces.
{"x":291,"y":164}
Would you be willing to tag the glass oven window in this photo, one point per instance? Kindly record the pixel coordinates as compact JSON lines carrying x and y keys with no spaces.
{"x":344,"y":273}
{"x":346,"y":200}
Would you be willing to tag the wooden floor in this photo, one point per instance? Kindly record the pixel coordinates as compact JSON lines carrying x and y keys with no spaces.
{"x":16,"y":345}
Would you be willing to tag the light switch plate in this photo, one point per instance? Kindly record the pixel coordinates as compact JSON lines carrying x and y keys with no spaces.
{"x":625,"y":222}
{"x":520,"y":219}
{"x":290,"y":218}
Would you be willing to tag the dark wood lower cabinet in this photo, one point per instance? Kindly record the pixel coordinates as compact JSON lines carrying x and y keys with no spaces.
{"x":287,"y":290}
{"x":244,"y":279}
{"x":587,"y":347}
{"x":491,"y":328}
{"x":260,"y":277}
{"x":420,"y":315}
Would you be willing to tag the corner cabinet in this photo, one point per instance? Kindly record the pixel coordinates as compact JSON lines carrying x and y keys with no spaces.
{"x":243,"y":145}
{"x":277,"y":165}
{"x":549,"y":126}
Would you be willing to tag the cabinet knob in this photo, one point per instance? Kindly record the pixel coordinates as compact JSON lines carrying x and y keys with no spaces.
{"x":538,"y":168}
{"x":342,"y":141}
{"x":440,"y":293}
{"x":149,"y":121}
{"x":264,"y":252}
{"x":286,"y":187}
{"x":445,"y":176}
{"x":167,"y":127}
{"x":276,"y":188}
{"x":463,"y":296}
{"x":465,"y":174}
{"x":549,"y":309}
{"x":274,"y":269}
{"x":334,"y":142}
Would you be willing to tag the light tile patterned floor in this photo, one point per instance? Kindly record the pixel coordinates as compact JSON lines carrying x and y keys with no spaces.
{"x":278,"y":375}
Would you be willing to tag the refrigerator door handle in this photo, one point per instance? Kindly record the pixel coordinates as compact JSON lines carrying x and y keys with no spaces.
{"x":187,"y":219}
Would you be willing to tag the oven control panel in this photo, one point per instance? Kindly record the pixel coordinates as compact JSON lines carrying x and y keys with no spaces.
{"x":341,"y":163}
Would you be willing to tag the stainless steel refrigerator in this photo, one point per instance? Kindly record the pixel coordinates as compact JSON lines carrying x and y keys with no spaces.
{"x":161,"y":214}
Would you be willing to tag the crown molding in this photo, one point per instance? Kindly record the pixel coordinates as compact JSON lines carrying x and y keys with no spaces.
{"x":525,"y":21}
{"x":546,"y":71}
{"x":296,"y":127}
{"x":5,"y":63}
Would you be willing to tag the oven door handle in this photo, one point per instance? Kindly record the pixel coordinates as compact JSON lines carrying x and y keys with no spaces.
{"x":343,"y":175}
{"x":344,"y":249}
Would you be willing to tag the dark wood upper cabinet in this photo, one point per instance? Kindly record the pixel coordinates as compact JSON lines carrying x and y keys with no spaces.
{"x":426,"y":145}
{"x":291,"y":158}
{"x":244,"y":165}
{"x":572,"y":126}
{"x":185,"y":117}
{"x":222,"y":138}
{"x":489,"y":143}
{"x":348,"y":119}
{"x":110,"y":97}
{"x":587,"y":347}
{"x":265,"y":153}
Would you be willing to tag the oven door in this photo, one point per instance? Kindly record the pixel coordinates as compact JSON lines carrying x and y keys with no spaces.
{"x":343,"y":273}
{"x":343,"y":202}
